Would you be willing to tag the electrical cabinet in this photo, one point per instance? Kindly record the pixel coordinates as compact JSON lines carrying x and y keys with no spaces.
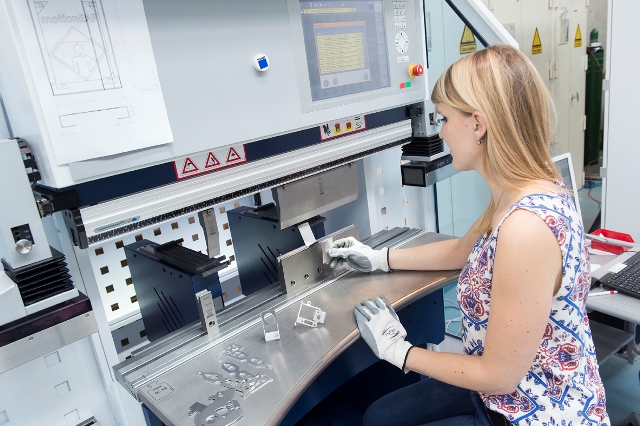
{"x":553,"y":35}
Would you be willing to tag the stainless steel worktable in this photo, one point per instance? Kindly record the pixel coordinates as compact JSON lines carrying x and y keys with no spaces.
{"x":170,"y":382}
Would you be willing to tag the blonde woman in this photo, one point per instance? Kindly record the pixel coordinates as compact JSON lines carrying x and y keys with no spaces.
{"x":529,"y":356}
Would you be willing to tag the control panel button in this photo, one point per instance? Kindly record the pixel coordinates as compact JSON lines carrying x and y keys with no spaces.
{"x":402,"y":42}
{"x":416,"y":70}
{"x":261,"y":62}
{"x":23,"y":246}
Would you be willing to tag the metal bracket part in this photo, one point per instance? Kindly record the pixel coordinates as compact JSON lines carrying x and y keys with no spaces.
{"x":207,"y":219}
{"x":310,"y":315}
{"x":307,"y":234}
{"x":309,"y":265}
{"x":270,"y":325}
{"x":222,"y":411}
{"x":207,"y":312}
{"x":241,"y":381}
{"x":235,"y":351}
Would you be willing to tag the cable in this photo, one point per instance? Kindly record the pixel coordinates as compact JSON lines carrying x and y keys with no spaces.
{"x":597,"y":62}
{"x":590,"y":177}
{"x":448,"y":323}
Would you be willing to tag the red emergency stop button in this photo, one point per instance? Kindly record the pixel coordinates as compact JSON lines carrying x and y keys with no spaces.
{"x":416,"y":70}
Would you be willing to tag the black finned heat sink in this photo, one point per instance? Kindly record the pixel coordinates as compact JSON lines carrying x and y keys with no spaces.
{"x":41,"y":280}
{"x":423,"y":147}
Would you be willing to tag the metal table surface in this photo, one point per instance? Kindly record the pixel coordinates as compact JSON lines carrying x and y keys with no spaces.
{"x":171,"y":388}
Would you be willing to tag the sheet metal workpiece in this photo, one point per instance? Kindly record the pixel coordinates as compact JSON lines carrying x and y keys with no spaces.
{"x":305,"y":265}
{"x":170,"y":380}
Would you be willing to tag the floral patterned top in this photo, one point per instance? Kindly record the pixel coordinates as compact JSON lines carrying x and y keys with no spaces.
{"x":563,"y":385}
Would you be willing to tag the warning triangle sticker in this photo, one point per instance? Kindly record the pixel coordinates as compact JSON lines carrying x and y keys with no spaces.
{"x":189,"y":166}
{"x":536,"y":46}
{"x":578,"y":40}
{"x":233,"y":156}
{"x":39,"y":5}
{"x":467,"y":42}
{"x":212,"y":161}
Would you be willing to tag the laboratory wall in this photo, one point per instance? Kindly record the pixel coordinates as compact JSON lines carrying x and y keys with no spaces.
{"x":554,"y":36}
{"x":462,"y":197}
{"x":621,"y":205}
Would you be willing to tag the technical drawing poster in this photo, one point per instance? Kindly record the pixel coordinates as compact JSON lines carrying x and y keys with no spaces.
{"x":95,"y":75}
{"x":77,"y":51}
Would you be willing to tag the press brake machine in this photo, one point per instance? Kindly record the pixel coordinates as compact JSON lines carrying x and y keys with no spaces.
{"x":245,"y":120}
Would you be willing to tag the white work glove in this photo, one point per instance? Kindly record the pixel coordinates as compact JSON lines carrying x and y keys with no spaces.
{"x":358,"y":256}
{"x":380,"y":328}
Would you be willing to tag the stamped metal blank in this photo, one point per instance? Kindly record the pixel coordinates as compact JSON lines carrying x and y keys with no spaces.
{"x":222,"y":411}
{"x":309,"y":315}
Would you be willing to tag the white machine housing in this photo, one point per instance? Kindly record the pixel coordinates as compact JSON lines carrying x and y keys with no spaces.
{"x":208,"y":80}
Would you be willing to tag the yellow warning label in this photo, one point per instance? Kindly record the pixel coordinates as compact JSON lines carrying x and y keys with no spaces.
{"x":536,"y":46}
{"x":578,"y":40}
{"x":467,"y":42}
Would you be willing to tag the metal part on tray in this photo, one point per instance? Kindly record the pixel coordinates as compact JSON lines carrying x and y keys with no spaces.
{"x":310,"y":315}
{"x":239,"y":380}
{"x":235,"y":351}
{"x":222,"y":411}
{"x":307,"y":265}
{"x":270,"y":325}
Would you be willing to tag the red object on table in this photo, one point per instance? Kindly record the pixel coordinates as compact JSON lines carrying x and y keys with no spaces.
{"x":609,"y":247}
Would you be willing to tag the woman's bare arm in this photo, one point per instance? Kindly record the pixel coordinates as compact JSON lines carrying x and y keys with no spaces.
{"x":442,"y":255}
{"x":527,"y":271}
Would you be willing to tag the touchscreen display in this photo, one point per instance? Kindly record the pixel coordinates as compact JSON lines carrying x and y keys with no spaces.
{"x":346,"y":47}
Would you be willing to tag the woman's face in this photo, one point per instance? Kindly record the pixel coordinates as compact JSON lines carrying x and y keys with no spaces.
{"x":460,"y":132}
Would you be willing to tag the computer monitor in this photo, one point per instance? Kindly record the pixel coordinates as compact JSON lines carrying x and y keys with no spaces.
{"x":346,"y":47}
{"x":565,"y":168}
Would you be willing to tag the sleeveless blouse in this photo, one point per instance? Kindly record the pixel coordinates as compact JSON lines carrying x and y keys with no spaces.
{"x":563,"y":385}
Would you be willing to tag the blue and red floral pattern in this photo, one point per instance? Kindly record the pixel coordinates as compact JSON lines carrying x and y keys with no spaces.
{"x":563,"y":385}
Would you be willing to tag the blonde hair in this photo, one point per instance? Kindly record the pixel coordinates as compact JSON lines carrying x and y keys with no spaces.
{"x":505,"y":87}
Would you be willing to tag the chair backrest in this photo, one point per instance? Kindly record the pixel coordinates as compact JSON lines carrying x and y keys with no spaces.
{"x":565,"y":168}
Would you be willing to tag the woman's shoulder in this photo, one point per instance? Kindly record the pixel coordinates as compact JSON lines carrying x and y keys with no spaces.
{"x":544,"y":187}
{"x":542,"y":193}
{"x":538,"y":200}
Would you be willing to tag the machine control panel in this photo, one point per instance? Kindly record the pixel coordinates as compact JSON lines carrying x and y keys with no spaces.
{"x":355,"y":50}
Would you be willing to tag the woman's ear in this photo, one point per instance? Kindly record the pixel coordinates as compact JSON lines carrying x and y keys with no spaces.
{"x":479,"y":125}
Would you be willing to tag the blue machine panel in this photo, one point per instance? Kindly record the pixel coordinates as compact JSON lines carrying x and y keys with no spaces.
{"x":258,"y":242}
{"x":166,"y":294}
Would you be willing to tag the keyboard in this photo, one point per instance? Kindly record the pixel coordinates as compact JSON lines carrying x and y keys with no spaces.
{"x":627,"y":280}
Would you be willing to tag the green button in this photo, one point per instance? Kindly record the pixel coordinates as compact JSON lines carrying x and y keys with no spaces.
{"x":408,"y":84}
